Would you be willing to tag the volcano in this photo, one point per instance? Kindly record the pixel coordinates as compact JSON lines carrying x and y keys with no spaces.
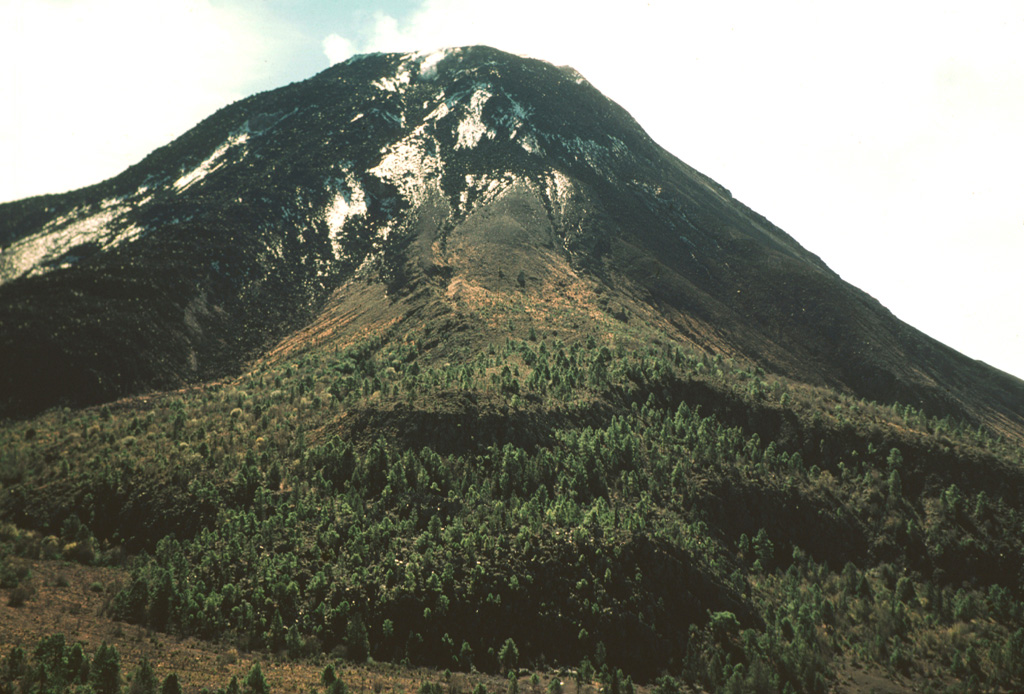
{"x":437,"y":358}
{"x":449,"y":173}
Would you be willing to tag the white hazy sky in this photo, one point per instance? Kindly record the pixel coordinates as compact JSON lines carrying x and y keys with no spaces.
{"x":885,"y":136}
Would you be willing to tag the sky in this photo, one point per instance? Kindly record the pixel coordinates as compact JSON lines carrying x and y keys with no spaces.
{"x":887,"y":137}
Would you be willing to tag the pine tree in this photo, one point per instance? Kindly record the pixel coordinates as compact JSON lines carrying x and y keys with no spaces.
{"x":105,"y":675}
{"x":143,"y":679}
{"x":356,"y":639}
{"x":161,"y":599}
{"x":171,"y":685}
{"x":508,"y":656}
{"x":255,"y":683}
{"x":15,"y":665}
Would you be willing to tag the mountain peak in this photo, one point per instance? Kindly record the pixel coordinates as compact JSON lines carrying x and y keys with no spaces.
{"x":434,"y":171}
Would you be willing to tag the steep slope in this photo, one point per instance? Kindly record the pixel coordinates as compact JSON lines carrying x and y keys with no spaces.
{"x":457,"y":171}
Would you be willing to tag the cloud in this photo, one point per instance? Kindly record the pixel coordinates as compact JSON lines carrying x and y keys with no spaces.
{"x":92,"y":85}
{"x":338,"y":49}
{"x":387,"y":36}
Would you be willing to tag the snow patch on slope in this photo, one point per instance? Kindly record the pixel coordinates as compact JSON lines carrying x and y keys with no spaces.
{"x":516,"y":119}
{"x":429,"y":61}
{"x":442,"y":110}
{"x":530,"y":143}
{"x":348,"y":202}
{"x":514,"y":116}
{"x":396,"y":84}
{"x":596,"y":155}
{"x":262,"y":122}
{"x":412,"y":165}
{"x":559,"y":189}
{"x":212,"y":162}
{"x":560,"y":193}
{"x":472,"y":128}
{"x":64,"y":241}
{"x":422,"y":64}
{"x":483,"y":189}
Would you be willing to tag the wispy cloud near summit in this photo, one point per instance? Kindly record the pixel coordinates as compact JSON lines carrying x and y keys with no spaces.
{"x":338,"y":49}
